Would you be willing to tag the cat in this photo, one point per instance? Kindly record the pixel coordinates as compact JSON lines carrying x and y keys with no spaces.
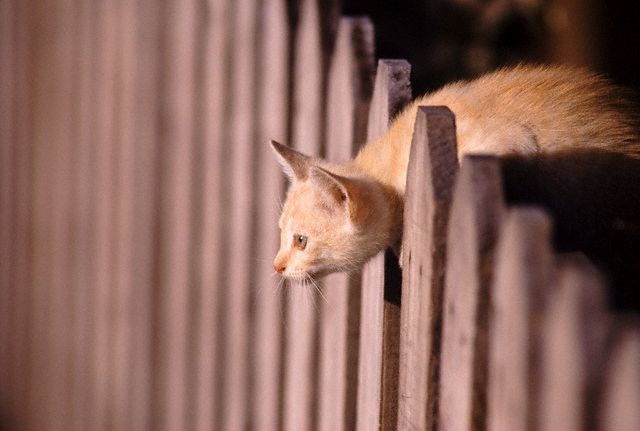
{"x":338,"y":215}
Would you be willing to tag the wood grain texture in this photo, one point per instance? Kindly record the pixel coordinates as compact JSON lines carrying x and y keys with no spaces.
{"x":350,"y":87}
{"x":476,"y":213}
{"x":573,"y":350}
{"x":523,"y":274}
{"x":618,"y":409}
{"x":430,"y":179}
{"x":267,"y":338}
{"x":392,"y":90}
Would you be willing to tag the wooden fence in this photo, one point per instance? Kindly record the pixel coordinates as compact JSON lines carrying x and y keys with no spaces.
{"x":138,"y":221}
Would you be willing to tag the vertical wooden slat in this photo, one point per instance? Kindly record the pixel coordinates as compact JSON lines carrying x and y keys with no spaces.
{"x":23,"y":161}
{"x":146,"y":154}
{"x":238,"y":269}
{"x":213,"y":118}
{"x":124,"y":216}
{"x":430,"y":178}
{"x":82,"y":229}
{"x":618,"y":410}
{"x":52,"y":67}
{"x":103,"y":137}
{"x":573,"y":351}
{"x":523,"y":274}
{"x":475,"y":213}
{"x":349,"y":94}
{"x":391,"y":92}
{"x":7,"y":178}
{"x":62,"y":293}
{"x":176,"y":164}
{"x":272,"y":123}
{"x":301,"y":324}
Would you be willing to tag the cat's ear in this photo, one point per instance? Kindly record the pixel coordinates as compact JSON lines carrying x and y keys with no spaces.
{"x":294,"y":164}
{"x":334,"y":187}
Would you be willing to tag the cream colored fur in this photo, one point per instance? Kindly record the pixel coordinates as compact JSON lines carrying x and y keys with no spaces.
{"x":350,"y":211}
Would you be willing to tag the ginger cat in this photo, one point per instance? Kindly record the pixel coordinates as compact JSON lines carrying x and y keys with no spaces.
{"x":338,"y":215}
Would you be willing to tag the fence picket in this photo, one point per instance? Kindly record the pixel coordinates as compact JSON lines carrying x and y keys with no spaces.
{"x":272,"y":124}
{"x":349,"y":94}
{"x":380,"y":319}
{"x":7,"y":178}
{"x":211,"y":174}
{"x":523,"y":272}
{"x":176,"y":167}
{"x":146,"y":195}
{"x":618,"y":409}
{"x":20,"y":413}
{"x":124,"y":217}
{"x":301,"y":338}
{"x":235,"y":397}
{"x":475,"y":216}
{"x":572,"y":353}
{"x":430,"y":179}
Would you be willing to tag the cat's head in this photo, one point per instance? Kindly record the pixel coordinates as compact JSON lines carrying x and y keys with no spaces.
{"x":333,"y":218}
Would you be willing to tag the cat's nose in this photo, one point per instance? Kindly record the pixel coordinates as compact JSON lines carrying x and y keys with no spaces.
{"x":279,"y":267}
{"x":279,"y":264}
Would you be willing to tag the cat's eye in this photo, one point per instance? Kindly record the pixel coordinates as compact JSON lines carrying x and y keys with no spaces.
{"x":300,"y":241}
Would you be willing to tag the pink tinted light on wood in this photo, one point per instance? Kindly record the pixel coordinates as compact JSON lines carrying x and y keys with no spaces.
{"x":391,"y":92}
{"x":301,"y":318}
{"x":176,"y":176}
{"x":432,"y":169}
{"x":476,"y":212}
{"x":349,"y":94}
{"x":523,"y":274}
{"x":272,"y":123}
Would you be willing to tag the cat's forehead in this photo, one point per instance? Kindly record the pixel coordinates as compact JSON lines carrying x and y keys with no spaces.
{"x":301,"y":207}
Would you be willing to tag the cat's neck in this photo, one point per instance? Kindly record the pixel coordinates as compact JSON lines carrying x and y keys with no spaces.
{"x":386,"y":159}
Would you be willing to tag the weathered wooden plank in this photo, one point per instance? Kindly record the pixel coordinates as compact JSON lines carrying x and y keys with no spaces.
{"x":176,"y":176}
{"x":391,"y":92}
{"x":272,"y":123}
{"x":7,"y":178}
{"x":146,"y":155}
{"x":573,"y":349}
{"x":82,"y":206}
{"x":105,"y":45}
{"x":522,"y":277}
{"x":124,"y":264}
{"x":476,"y":212}
{"x":349,"y":93}
{"x":22,"y":328}
{"x":618,"y":409}
{"x":50,"y":132}
{"x":301,"y":338}
{"x":239,"y":269}
{"x":210,"y":251}
{"x":62,"y":293}
{"x":430,"y":179}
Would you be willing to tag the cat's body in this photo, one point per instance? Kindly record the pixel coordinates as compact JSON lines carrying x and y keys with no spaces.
{"x":347,"y":212}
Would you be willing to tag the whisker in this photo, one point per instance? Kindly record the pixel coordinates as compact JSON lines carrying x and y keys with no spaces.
{"x":315,"y":284}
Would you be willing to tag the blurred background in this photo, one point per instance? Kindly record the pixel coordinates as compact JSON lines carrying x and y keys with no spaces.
{"x":139,"y":202}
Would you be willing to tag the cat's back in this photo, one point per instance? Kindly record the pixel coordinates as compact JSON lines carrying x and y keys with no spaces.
{"x":540,"y":109}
